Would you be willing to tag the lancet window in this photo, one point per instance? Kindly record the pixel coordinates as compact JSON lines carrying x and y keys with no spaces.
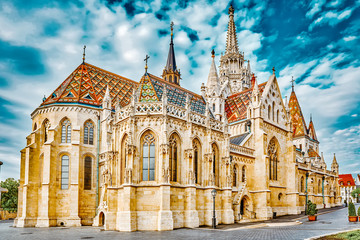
{"x":243,"y":174}
{"x":273,"y":160}
{"x":197,"y":161}
{"x":87,"y":172}
{"x":148,"y":158}
{"x":173,"y":157}
{"x":302,"y":184}
{"x":215,"y":163}
{"x":89,"y":133}
{"x":234,"y":181}
{"x":124,"y":151}
{"x":66,"y":131}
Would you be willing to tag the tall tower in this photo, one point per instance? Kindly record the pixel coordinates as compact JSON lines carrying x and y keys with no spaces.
{"x":232,"y":64}
{"x":171,"y":73}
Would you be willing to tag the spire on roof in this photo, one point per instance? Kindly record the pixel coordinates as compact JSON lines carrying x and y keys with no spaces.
{"x":213,"y":79}
{"x":248,"y":66}
{"x":231,"y":40}
{"x":171,"y":62}
{"x":273,"y":69}
{"x":310,"y":117}
{"x":171,"y":73}
{"x":106,"y":104}
{"x":84,"y":54}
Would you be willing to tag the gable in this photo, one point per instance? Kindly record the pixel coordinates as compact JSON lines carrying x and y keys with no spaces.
{"x":296,"y":116}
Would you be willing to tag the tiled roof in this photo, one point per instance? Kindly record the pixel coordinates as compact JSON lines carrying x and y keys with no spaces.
{"x":311,"y":131}
{"x":236,"y":104}
{"x":312,"y":153}
{"x":238,"y":139}
{"x":297,"y":118}
{"x":87,"y":85}
{"x":347,"y":180}
{"x":152,"y":89}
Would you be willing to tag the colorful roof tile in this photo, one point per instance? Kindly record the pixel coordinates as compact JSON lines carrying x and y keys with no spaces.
{"x":87,"y":85}
{"x":152,"y":89}
{"x":311,"y":131}
{"x":236,"y":105}
{"x":313,"y":153}
{"x":297,"y":118}
{"x":346,"y":180}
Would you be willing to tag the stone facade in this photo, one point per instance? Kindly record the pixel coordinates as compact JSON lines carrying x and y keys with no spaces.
{"x":109,"y":151}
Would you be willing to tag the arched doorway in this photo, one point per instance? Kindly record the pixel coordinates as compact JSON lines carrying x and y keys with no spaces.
{"x":242,"y":208}
{"x":101,"y":219}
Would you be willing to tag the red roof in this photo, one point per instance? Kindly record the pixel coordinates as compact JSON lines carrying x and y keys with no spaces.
{"x":346,"y":179}
{"x":236,"y":104}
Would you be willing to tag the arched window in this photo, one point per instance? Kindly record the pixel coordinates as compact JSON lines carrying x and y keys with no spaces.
{"x":197,"y":161}
{"x":277,"y":116}
{"x":89,"y":133}
{"x":66,"y":131}
{"x":124,"y":150}
{"x":302,"y":184}
{"x":148,"y":158}
{"x":215,"y":164}
{"x":273,"y":111}
{"x":46,"y":126}
{"x":234,"y":176}
{"x":319,"y":186}
{"x":65,"y":172}
{"x":243,"y":174}
{"x":173,"y":157}
{"x":269,"y":112}
{"x":87,"y":173}
{"x":170,"y":78}
{"x":273,"y":160}
{"x":175,"y":79}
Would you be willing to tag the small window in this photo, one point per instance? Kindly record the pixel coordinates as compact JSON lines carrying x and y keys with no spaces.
{"x":148,"y":173}
{"x":65,"y":172}
{"x":213,"y":107}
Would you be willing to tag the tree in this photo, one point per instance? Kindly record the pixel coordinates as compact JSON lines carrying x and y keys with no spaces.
{"x":9,"y":200}
{"x":355,"y":193}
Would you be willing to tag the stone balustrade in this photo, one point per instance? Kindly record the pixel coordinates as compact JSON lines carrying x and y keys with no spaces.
{"x":242,"y":150}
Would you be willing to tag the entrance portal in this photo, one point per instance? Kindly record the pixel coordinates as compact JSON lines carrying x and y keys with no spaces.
{"x":101,"y":219}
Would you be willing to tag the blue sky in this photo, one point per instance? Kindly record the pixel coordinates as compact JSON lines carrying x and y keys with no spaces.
{"x":317,"y":42}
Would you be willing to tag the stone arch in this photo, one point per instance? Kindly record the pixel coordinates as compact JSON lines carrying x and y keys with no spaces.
{"x":123,"y":156}
{"x":101,"y":218}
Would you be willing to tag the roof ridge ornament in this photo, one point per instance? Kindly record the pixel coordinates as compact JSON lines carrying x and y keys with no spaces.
{"x":146,"y":62}
{"x":84,"y":54}
{"x":292,"y":82}
{"x":273,"y":69}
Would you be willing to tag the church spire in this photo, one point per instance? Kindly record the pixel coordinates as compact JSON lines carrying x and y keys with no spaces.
{"x":231,"y":40}
{"x":213,"y":79}
{"x":171,"y":73}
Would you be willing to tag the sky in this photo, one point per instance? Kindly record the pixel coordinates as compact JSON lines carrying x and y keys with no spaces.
{"x":316,"y":42}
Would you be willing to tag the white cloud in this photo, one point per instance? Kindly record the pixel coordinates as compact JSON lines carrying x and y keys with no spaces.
{"x":332,"y":17}
{"x":349,"y":38}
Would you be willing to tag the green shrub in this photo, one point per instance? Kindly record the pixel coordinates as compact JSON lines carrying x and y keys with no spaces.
{"x":358,"y":211}
{"x":311,"y":209}
{"x":352,"y":210}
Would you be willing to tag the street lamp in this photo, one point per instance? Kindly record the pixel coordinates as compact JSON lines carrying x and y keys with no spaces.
{"x":213,"y":193}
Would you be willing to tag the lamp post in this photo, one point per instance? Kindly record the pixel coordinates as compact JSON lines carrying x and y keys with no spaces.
{"x":306,"y":191}
{"x":213,"y":193}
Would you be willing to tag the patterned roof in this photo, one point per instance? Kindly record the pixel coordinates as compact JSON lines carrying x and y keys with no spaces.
{"x":311,"y":131}
{"x":347,"y":180}
{"x":313,"y":153}
{"x":297,"y":118}
{"x":87,"y":85}
{"x":152,"y":89}
{"x":236,"y":104}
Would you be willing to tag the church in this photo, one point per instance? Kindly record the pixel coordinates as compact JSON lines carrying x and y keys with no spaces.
{"x":130,"y":155}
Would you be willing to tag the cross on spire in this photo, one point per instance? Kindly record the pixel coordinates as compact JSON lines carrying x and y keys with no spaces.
{"x":172,"y":28}
{"x":84,"y":54}
{"x":292,"y":83}
{"x":146,"y":61}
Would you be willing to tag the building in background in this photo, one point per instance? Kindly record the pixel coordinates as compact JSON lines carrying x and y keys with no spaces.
{"x":347,"y":185}
{"x":107,"y":150}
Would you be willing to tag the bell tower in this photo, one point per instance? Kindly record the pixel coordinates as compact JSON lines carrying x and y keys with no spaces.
{"x":171,"y":73}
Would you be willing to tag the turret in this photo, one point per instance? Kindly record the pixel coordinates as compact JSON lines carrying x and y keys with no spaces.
{"x":171,"y":73}
{"x":335,"y":165}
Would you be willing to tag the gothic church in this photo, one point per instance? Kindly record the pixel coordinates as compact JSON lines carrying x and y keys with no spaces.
{"x":107,"y":150}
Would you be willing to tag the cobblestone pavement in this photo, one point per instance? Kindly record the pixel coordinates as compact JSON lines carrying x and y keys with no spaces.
{"x":327,"y":223}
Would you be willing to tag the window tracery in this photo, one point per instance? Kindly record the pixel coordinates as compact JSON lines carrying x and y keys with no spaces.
{"x":89,"y":133}
{"x":273,"y":160}
{"x":148,"y":158}
{"x":173,"y":157}
{"x":66,"y":131}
